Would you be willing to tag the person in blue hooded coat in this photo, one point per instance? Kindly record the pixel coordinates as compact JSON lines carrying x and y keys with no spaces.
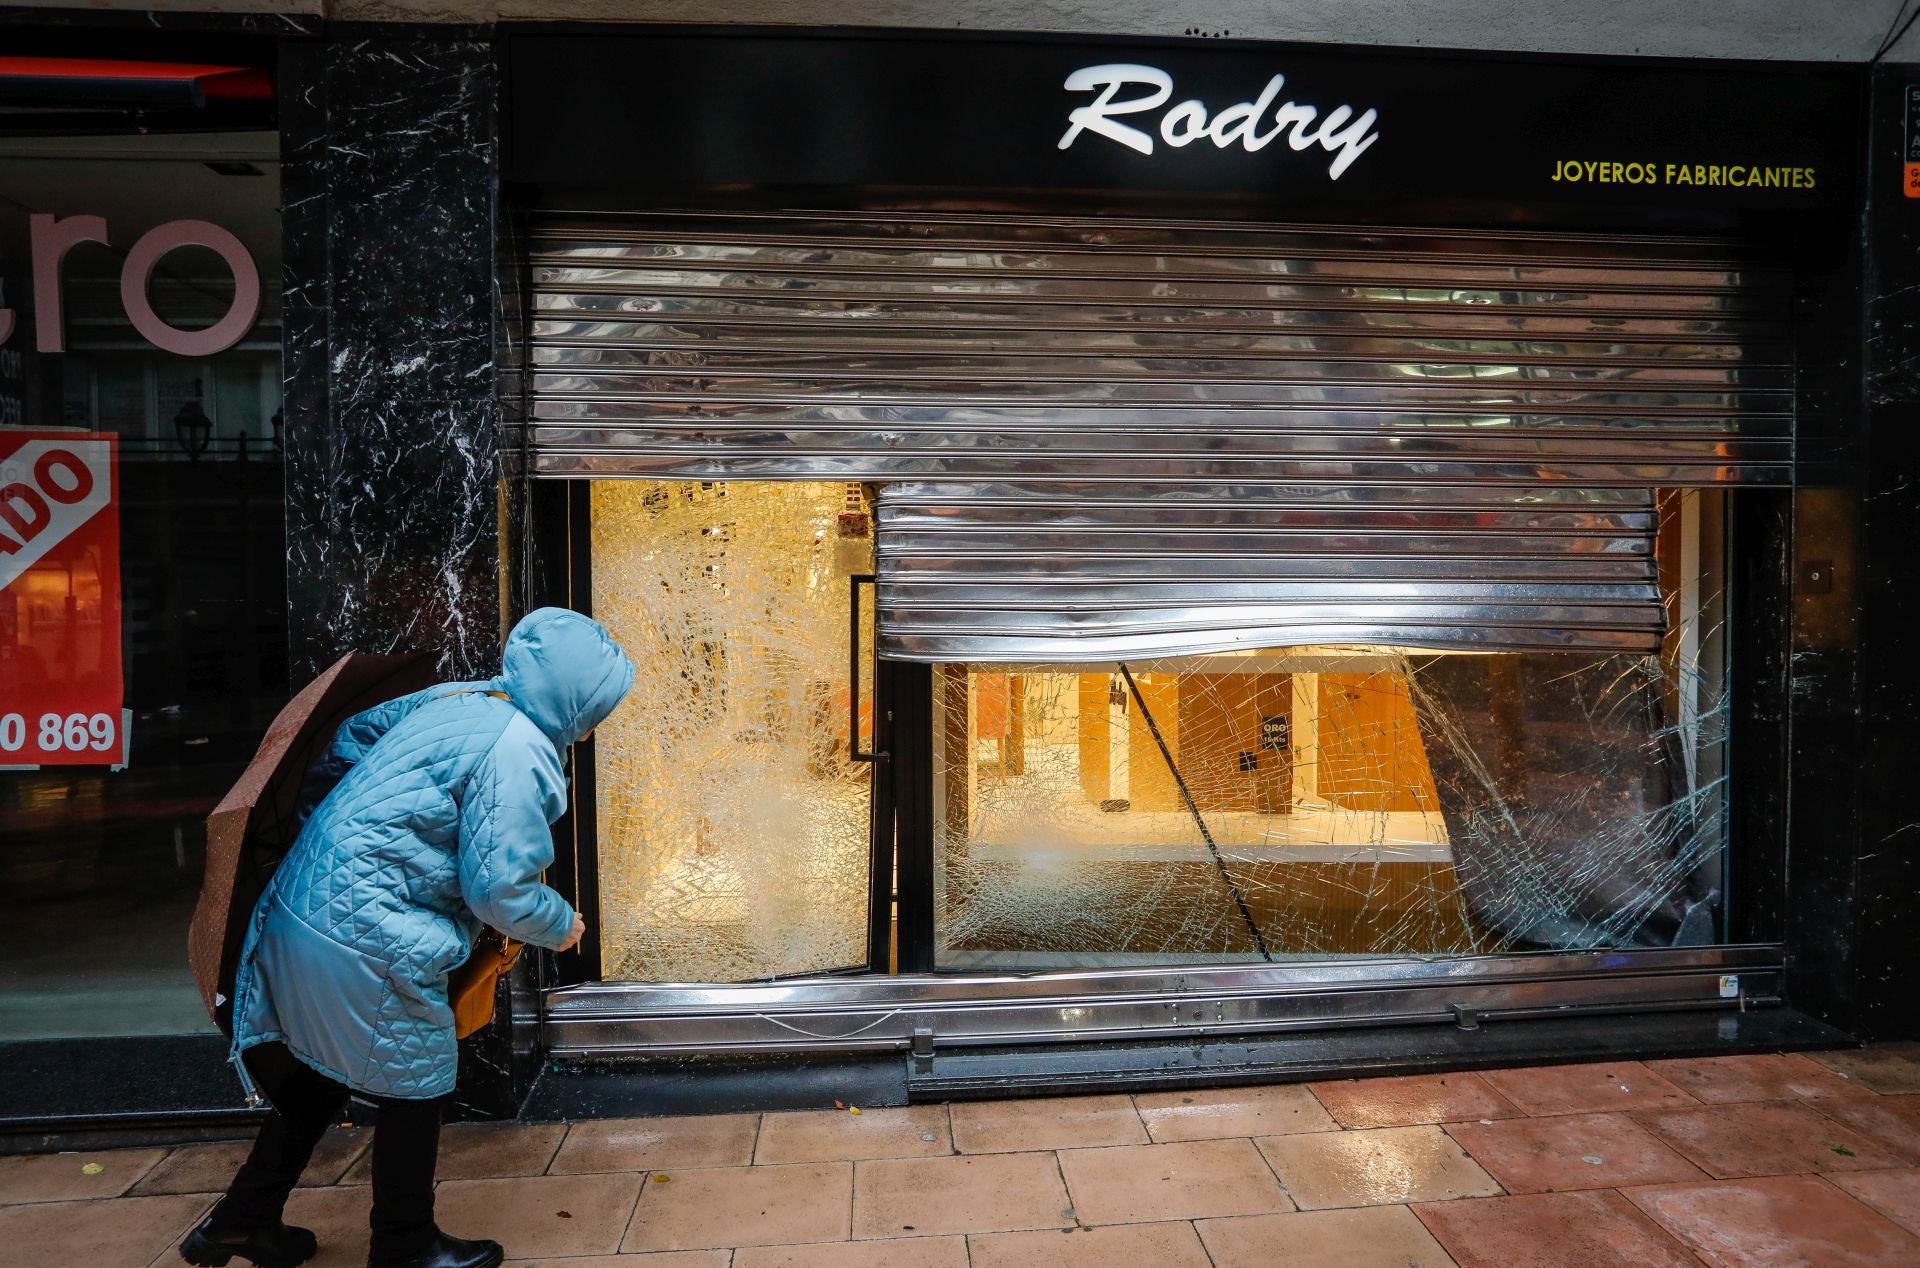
{"x":438,"y":824}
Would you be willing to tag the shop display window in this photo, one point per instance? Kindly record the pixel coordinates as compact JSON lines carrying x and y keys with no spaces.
{"x":1340,"y":801}
{"x":1277,"y":803}
{"x":1317,"y":801}
{"x":183,"y":611}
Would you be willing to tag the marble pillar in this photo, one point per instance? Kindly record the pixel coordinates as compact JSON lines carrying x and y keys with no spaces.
{"x":389,"y":186}
{"x":1883,"y":868}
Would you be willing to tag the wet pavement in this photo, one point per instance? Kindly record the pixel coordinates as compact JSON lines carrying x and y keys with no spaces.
{"x":1726,"y":1161}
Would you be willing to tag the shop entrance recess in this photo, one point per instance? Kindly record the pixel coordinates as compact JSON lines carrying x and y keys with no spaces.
{"x":1065,"y":628}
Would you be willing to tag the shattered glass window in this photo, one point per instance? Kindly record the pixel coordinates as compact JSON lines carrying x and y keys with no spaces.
{"x":1230,"y":807}
{"x":733,"y":824}
{"x":1340,"y":801}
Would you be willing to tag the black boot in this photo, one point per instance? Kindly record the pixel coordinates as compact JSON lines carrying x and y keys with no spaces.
{"x":448,"y":1252}
{"x":275,"y":1246}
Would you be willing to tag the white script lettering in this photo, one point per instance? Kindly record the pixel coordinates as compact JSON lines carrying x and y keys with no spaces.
{"x":1341,"y":133}
{"x":1094,"y":117}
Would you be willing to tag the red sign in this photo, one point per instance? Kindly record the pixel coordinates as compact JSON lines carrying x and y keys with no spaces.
{"x":60,"y":688}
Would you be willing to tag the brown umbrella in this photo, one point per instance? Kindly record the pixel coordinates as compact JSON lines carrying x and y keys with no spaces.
{"x":253,"y":825}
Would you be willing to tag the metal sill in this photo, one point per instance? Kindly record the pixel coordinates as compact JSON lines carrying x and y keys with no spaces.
{"x":842,"y":1014}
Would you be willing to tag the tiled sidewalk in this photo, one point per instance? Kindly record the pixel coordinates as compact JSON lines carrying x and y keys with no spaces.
{"x":1763,"y":1160}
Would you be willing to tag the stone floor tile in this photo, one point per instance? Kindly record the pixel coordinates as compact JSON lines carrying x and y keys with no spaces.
{"x":905,"y":1131}
{"x":1887,"y":1068}
{"x":1375,"y":1167}
{"x":1762,"y":1223}
{"x":1572,"y":1151}
{"x":210,"y":1168}
{"x":541,"y":1217}
{"x":743,"y":1206}
{"x":892,"y":1252}
{"x":485,"y":1151}
{"x":660,"y":1259}
{"x":1218,"y":1113}
{"x":1361,"y":1237}
{"x":1552,"y":1230}
{"x":1057,"y":1122}
{"x":653,"y":1144}
{"x":977,"y":1193}
{"x":1893,"y":1121}
{"x":1766,"y":1138}
{"x":1412,"y":1099}
{"x":1586,"y":1089}
{"x":1148,"y":1245}
{"x":1895,"y":1194}
{"x":338,"y":1218}
{"x":64,"y":1178}
{"x":96,"y":1233}
{"x":1138,"y":1184}
{"x":1768,"y":1076}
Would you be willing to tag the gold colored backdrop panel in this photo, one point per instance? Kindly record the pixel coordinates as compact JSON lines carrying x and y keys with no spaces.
{"x":733,"y":825}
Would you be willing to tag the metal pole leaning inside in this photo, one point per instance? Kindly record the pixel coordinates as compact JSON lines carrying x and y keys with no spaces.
{"x":1219,"y":863}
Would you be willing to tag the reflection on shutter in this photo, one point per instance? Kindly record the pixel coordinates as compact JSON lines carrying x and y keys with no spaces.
{"x":999,"y":348}
{"x":1076,"y":573}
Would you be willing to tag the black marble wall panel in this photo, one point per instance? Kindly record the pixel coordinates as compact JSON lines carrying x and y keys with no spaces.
{"x":1759,"y":787}
{"x":390,"y":150}
{"x":394,"y":475}
{"x":1820,"y":592}
{"x":1885,"y":874}
{"x":1852,"y":854}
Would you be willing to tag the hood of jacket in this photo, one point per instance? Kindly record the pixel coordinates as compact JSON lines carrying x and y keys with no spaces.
{"x":564,"y":671}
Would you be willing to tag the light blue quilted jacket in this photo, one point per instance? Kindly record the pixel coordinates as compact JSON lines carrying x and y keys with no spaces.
{"x":438,"y":824}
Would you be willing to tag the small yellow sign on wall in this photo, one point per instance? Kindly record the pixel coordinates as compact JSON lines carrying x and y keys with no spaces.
{"x":1910,"y":183}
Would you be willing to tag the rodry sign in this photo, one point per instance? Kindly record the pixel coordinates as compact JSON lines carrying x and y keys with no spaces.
{"x":60,"y":683}
{"x":53,"y":236}
{"x":1251,"y":125}
{"x":1399,"y":135}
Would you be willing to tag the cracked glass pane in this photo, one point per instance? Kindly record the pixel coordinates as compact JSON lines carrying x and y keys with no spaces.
{"x":733,"y":825}
{"x":1339,"y":801}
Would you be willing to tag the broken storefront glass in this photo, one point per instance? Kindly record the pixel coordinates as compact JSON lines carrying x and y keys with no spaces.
{"x":733,"y":825}
{"x":1323,"y":801}
{"x":1296,"y":802}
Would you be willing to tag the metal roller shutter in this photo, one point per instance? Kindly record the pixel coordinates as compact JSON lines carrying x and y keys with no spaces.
{"x":1055,"y":573}
{"x":1107,"y":438}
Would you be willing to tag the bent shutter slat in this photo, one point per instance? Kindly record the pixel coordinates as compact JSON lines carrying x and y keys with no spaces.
{"x":1023,"y":573}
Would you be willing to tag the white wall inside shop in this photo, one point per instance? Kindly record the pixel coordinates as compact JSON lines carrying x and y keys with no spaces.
{"x":1773,"y":30}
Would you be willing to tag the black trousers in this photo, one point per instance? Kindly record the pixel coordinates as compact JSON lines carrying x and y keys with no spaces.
{"x":406,"y":1148}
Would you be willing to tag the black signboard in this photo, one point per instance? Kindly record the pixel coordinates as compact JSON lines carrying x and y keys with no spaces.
{"x":1320,"y":124}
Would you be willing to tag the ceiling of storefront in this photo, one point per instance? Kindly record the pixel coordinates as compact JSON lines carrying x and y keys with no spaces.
{"x":1790,"y":30}
{"x":1768,"y":30}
